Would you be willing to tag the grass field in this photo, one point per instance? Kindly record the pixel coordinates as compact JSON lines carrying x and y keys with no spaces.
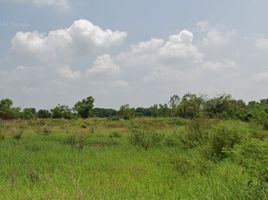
{"x":134,"y":159}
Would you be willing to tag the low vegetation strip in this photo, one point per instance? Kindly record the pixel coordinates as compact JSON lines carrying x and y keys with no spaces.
{"x":142,"y":158}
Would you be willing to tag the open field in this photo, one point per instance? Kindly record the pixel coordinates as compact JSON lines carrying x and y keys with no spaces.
{"x":132,"y":159}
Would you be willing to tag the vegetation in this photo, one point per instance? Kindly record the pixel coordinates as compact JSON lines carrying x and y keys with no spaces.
{"x":190,"y":148}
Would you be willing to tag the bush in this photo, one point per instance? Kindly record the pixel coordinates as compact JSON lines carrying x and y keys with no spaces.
{"x":252,"y":156}
{"x":146,"y":138}
{"x":195,"y":132}
{"x":223,"y":138}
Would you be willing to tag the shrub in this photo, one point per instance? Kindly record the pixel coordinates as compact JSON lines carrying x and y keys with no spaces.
{"x":223,"y":138}
{"x":195,"y":132}
{"x":146,"y":138}
{"x":252,"y":156}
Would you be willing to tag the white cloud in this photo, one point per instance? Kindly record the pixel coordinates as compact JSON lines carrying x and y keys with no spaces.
{"x":261,"y":76}
{"x":81,"y":38}
{"x":216,"y":37}
{"x":262,"y":43}
{"x":180,"y":47}
{"x":104,"y":65}
{"x":219,"y":65}
{"x":68,"y":73}
{"x":177,"y":50}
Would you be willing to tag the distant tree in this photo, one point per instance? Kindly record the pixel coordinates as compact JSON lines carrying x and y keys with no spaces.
{"x":191,"y":106}
{"x":84,"y":107}
{"x":62,"y":111}
{"x":164,"y":110}
{"x":174,"y":101}
{"x":103,"y":112}
{"x":7,"y":111}
{"x":224,"y":106}
{"x":126,"y":112}
{"x":6,"y":104}
{"x":143,"y":112}
{"x":44,"y":114}
{"x":28,"y":113}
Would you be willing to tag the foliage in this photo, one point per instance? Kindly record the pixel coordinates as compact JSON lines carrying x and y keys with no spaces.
{"x":44,"y":114}
{"x":253,"y":156}
{"x":28,"y":113}
{"x":84,"y":107}
{"x":126,"y":112}
{"x":62,"y":111}
{"x":223,"y":138}
{"x":190,"y":106}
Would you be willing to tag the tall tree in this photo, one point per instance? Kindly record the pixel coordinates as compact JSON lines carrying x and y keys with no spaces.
{"x":84,"y":107}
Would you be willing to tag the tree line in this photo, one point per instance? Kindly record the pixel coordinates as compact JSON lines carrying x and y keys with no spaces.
{"x":187,"y":106}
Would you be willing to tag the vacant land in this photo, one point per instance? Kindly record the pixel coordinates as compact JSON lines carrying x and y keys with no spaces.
{"x":133,"y":159}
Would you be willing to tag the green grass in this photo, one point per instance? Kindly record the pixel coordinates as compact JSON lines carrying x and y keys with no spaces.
{"x":45,"y":166}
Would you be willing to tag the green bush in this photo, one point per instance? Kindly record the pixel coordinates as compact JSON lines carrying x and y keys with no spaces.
{"x":195,"y":132}
{"x":223,"y":138}
{"x":253,"y":157}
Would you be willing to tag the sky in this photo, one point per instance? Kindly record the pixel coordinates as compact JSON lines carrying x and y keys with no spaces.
{"x":131,"y":52}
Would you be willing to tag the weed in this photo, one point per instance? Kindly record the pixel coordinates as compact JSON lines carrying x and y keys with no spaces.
{"x":146,"y":138}
{"x":115,"y":135}
{"x":17,"y":134}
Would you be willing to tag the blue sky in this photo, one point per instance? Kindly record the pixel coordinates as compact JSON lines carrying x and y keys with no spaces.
{"x":58,"y":51}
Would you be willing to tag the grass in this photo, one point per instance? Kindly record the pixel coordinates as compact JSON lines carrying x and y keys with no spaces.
{"x":53,"y":165}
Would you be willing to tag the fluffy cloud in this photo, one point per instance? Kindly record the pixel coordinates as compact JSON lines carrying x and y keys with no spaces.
{"x":216,"y":37}
{"x":68,"y":73}
{"x":104,"y":65}
{"x":83,"y":54}
{"x":262,"y":43}
{"x":180,"y":47}
{"x":81,"y":38}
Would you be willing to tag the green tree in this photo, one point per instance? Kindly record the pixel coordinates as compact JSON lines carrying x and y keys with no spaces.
{"x":62,"y":111}
{"x":28,"y":113}
{"x":191,"y":106}
{"x":126,"y":112}
{"x":84,"y":107}
{"x":44,"y":114}
{"x":7,"y":111}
